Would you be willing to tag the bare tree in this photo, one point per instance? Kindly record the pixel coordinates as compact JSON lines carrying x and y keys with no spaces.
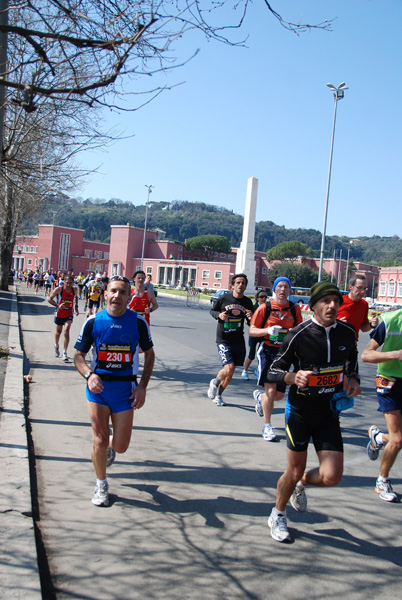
{"x":83,"y":50}
{"x":58,"y":58}
{"x":39,"y":151}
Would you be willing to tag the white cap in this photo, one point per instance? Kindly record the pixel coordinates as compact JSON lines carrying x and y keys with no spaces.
{"x":98,"y":276}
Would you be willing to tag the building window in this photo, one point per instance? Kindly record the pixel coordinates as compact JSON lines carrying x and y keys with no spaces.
{"x":99,"y":267}
{"x":383,"y":287}
{"x":391,"y":288}
{"x":180,"y":248}
{"x":204,"y":283}
{"x":106,"y":255}
{"x":188,"y":257}
{"x":257,"y":269}
{"x":91,"y":266}
{"x":98,"y":254}
{"x":64,"y":251}
{"x":205,"y":274}
{"x":179,"y":257}
{"x":36,"y":249}
{"x":217,"y":285}
{"x":215,"y":254}
{"x":264,"y":270}
{"x":149,"y":270}
{"x":32,"y":249}
{"x":230,"y":257}
{"x":88,"y":253}
{"x":218,"y":275}
{"x":399,"y":289}
{"x":29,"y":261}
{"x":223,"y":255}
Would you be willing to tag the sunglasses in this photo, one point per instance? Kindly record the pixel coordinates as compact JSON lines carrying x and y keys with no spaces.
{"x":263,"y":296}
{"x":120,"y":278}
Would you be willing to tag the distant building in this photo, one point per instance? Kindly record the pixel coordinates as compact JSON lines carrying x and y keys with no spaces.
{"x":169,"y":263}
{"x":390,"y":286}
{"x":60,"y":249}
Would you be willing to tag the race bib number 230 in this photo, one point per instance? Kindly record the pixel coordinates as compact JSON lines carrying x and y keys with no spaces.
{"x":114,"y":356}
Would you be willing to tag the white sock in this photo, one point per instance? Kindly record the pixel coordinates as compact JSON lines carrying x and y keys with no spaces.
{"x":299,"y":485}
{"x":379,"y":439}
{"x":275,"y":511}
{"x":99,"y":481}
{"x":380,"y":478}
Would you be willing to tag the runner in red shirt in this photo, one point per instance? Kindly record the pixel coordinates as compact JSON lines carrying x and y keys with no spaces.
{"x":143,"y":300}
{"x":64,"y":298}
{"x":354,"y":309}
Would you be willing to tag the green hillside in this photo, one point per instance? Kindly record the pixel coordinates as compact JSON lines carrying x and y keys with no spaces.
{"x":181,"y":220}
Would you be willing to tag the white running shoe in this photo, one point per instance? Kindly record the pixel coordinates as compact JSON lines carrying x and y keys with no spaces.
{"x":258,"y":405}
{"x":385,"y":491}
{"x":279,"y":527}
{"x":111,"y":456}
{"x":65,"y":357}
{"x":299,"y":499}
{"x":101,"y":495}
{"x":56,"y":351}
{"x":212,"y":390}
{"x":373,"y":447}
{"x":244,"y":375}
{"x":219,"y":401}
{"x":268,"y":433}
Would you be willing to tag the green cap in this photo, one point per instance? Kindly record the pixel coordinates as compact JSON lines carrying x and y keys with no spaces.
{"x":321,"y":289}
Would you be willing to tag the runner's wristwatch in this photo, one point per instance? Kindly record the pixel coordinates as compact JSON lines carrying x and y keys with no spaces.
{"x":88,"y":374}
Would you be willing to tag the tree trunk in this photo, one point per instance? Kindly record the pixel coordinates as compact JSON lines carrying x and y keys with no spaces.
{"x":8,"y":229}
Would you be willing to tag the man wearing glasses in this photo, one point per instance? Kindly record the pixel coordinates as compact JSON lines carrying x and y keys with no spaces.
{"x":115,"y":335}
{"x":354,"y":309}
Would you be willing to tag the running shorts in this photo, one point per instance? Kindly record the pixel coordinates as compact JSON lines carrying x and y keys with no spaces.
{"x":115,"y":395}
{"x":266,"y":356}
{"x":61,"y":321}
{"x":322,"y":427}
{"x":390,"y":398}
{"x":232,"y":354}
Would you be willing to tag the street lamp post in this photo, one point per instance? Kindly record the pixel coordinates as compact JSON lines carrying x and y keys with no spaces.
{"x":150,"y":188}
{"x":338,"y":95}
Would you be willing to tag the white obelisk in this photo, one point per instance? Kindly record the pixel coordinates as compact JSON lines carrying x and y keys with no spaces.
{"x":245,"y":261}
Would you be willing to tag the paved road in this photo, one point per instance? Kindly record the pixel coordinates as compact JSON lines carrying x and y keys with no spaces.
{"x":190,"y":498}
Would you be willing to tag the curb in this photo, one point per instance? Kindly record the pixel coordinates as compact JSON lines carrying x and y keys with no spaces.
{"x":19,"y":573}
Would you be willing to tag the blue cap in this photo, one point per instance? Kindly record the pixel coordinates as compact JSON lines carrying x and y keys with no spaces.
{"x":278,"y":279}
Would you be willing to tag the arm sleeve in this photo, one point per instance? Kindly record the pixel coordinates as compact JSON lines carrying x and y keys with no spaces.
{"x":284,"y":360}
{"x":216,"y":309}
{"x":145,"y":340}
{"x":378,"y":334}
{"x":85,"y":338}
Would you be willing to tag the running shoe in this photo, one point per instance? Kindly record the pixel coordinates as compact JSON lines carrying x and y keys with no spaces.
{"x":212,"y":390}
{"x":101,"y":494}
{"x":299,"y":499}
{"x":373,"y":447}
{"x":258,"y":405}
{"x":111,"y":456}
{"x":385,"y":491}
{"x":244,"y":376}
{"x":268,"y":433}
{"x":279,"y":527}
{"x":65,"y":357}
{"x":219,"y":401}
{"x":56,"y":351}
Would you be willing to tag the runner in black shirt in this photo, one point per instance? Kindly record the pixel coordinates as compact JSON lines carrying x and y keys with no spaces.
{"x":318,"y":359}
{"x":231,"y":310}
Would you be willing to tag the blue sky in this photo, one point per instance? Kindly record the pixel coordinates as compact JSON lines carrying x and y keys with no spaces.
{"x":265,"y":111}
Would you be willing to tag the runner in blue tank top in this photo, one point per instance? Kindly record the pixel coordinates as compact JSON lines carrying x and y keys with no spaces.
{"x":115,"y":336}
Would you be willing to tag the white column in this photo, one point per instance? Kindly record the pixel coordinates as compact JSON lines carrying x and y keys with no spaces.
{"x":245,"y":260}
